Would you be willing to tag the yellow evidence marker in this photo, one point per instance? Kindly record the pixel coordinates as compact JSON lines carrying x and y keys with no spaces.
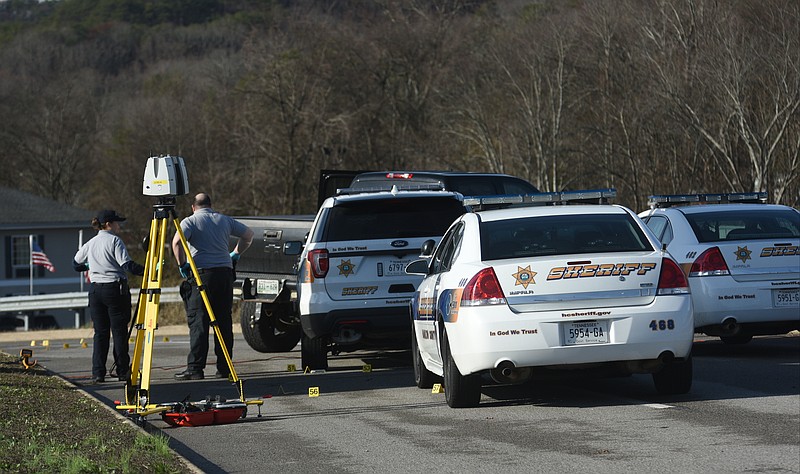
{"x":313,"y":391}
{"x":291,"y":368}
{"x":437,"y":388}
{"x":366,"y":368}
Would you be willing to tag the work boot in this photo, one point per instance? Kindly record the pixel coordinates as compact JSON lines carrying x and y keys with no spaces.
{"x":221,"y":375}
{"x":189,"y":374}
{"x":98,"y":379}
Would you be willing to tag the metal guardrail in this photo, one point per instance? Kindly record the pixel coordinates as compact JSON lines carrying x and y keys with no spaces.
{"x":71,"y":301}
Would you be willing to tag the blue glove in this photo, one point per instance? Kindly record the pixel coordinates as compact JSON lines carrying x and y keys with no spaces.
{"x":185,"y":270}
{"x":235,"y":256}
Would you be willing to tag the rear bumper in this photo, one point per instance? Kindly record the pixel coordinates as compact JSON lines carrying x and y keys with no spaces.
{"x":482,"y":339}
{"x":390,"y":325}
{"x":717,"y":299}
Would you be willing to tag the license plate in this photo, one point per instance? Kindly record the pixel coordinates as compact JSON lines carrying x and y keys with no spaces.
{"x":585,"y":332}
{"x":397,"y":267}
{"x":786,"y":298}
{"x":269,"y":287}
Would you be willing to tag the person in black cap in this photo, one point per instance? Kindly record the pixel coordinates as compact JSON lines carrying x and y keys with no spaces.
{"x":108,"y":262}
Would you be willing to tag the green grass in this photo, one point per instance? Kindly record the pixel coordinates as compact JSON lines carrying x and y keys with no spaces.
{"x":49,"y":426}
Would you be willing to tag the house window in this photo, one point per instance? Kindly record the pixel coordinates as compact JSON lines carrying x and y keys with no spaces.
{"x":20,"y":257}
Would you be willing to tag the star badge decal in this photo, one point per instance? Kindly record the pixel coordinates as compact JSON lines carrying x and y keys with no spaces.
{"x":524,"y":276}
{"x":346,"y":268}
{"x":743,"y":254}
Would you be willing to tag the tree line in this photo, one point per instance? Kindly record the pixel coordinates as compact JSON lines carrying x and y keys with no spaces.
{"x":663,"y":96}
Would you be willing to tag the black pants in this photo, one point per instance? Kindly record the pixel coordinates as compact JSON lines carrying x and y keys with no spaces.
{"x":110,"y":307}
{"x":219,"y":290}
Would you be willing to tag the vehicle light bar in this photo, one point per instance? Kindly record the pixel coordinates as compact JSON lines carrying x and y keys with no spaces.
{"x":399,"y":175}
{"x":389,"y":186}
{"x":667,"y":200}
{"x":593,"y":196}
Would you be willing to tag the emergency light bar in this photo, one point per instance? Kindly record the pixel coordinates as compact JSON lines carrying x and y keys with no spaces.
{"x":392,"y":187}
{"x":165,"y":176}
{"x":591,"y":196}
{"x":668,"y":200}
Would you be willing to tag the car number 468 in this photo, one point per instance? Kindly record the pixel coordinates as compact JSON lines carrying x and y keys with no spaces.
{"x":661,"y":325}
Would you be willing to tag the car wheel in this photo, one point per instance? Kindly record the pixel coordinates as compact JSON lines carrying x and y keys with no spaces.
{"x":460,"y":391}
{"x":314,"y":353}
{"x":423,"y":377}
{"x":263,"y":335}
{"x":674,"y":378}
{"x":744,"y":339}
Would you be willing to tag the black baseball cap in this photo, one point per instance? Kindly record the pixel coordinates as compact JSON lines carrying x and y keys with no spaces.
{"x":109,"y":215}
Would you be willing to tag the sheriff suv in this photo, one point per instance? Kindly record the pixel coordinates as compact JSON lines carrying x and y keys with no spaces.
{"x":742,"y":259}
{"x":509,"y":292}
{"x":353,"y":290}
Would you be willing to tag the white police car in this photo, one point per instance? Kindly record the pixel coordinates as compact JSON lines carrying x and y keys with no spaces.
{"x":742,"y":259}
{"x":507,"y":291}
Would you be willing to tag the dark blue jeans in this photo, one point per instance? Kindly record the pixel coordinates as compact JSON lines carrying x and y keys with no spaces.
{"x":219,"y":290}
{"x":110,"y":307}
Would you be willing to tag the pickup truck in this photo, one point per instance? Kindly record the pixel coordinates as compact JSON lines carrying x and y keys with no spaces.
{"x":267,"y":276}
{"x":267,"y":272}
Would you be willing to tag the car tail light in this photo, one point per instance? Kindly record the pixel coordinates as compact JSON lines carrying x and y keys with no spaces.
{"x":319,"y":262}
{"x":483,"y":289}
{"x":672,"y":281}
{"x":709,"y":263}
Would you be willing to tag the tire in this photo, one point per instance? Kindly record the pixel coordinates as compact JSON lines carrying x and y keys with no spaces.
{"x":262,"y":335}
{"x":460,"y":391}
{"x":675,"y":378}
{"x":423,"y":377}
{"x":744,"y":339}
{"x":314,"y":353}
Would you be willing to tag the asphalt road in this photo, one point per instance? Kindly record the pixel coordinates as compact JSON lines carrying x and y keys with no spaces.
{"x":743,"y":414}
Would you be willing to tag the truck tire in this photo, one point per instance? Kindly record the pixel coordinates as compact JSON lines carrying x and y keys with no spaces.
{"x":262,"y":335}
{"x":460,"y":391}
{"x":314,"y":353}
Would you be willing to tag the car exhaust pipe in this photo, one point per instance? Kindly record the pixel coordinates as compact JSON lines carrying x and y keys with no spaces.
{"x":506,"y":368}
{"x":507,"y":373}
{"x":666,"y":357}
{"x":730,"y":327}
{"x":346,"y":335}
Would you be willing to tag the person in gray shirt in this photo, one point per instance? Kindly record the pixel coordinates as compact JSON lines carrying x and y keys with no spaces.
{"x":108,"y":262}
{"x":208,"y":234}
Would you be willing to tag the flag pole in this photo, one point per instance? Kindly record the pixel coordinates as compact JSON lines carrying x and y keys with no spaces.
{"x":80,"y":244}
{"x":30,"y":257}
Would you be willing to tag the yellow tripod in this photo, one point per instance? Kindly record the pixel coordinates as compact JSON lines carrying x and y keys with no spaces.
{"x":137,"y":388}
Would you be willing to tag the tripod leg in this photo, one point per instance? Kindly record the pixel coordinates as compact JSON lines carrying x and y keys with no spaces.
{"x":147,"y":315}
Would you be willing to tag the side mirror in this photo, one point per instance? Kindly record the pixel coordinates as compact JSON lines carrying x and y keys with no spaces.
{"x":292,"y":247}
{"x":418,"y":267}
{"x":426,"y":250}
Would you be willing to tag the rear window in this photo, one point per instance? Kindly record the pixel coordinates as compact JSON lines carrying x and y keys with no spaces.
{"x":556,"y":235}
{"x":716,"y":226}
{"x":391,"y":218}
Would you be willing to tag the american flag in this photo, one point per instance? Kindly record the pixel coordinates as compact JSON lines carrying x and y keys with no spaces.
{"x":38,"y":257}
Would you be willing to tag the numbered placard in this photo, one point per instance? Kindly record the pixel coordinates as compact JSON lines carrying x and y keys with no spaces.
{"x":437,"y":388}
{"x":291,"y":368}
{"x":313,"y":391}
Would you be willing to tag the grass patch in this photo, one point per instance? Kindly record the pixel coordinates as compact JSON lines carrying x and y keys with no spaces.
{"x":48,"y":426}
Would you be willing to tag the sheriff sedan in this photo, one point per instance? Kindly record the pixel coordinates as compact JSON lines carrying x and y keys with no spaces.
{"x":580,"y":287}
{"x":741,"y":256}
